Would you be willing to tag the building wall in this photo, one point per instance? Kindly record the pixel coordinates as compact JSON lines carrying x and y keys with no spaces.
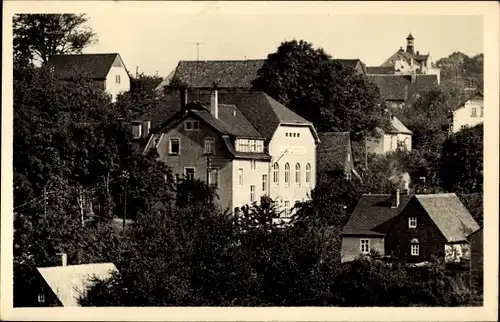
{"x":388,"y":143}
{"x":476,"y":259}
{"x":284,"y":149}
{"x":351,"y":247}
{"x":463,"y":116}
{"x":406,"y":139}
{"x":192,"y":155}
{"x":111,"y":86}
{"x":241,"y":193}
{"x":398,"y":239}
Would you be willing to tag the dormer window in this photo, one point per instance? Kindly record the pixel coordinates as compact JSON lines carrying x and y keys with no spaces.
{"x":191,"y":125}
{"x":249,"y":145}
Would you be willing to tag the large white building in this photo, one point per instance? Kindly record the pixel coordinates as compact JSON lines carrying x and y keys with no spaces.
{"x":107,"y":70}
{"x":245,"y":143}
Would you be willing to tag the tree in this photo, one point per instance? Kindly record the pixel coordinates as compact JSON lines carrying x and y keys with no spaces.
{"x":462,"y":161}
{"x":319,"y":89}
{"x":39,"y":36}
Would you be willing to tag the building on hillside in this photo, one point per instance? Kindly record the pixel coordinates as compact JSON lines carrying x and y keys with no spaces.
{"x":468,"y":113}
{"x":407,"y":62}
{"x":63,"y":285}
{"x":409,"y":228}
{"x":107,"y":70}
{"x":229,"y":75}
{"x":245,"y":143}
{"x":476,"y":259}
{"x":383,"y":141}
{"x":334,"y":154}
{"x":400,"y":90}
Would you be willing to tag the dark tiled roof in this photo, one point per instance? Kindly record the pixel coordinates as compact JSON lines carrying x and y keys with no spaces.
{"x":169,"y":105}
{"x":449,"y":215}
{"x":236,"y":123}
{"x":400,"y":87}
{"x":397,"y":126}
{"x":355,"y":64}
{"x":371,"y":212}
{"x":382,"y":70}
{"x":333,"y":150}
{"x":227,"y":73}
{"x":420,"y":57}
{"x":472,"y":95}
{"x":95,"y":66}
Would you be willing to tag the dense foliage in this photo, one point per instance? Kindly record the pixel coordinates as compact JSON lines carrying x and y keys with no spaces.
{"x":323,"y":91}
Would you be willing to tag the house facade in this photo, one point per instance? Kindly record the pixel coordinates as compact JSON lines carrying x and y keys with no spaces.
{"x":409,"y":228}
{"x":107,"y":70}
{"x":389,"y":140}
{"x":468,"y":113}
{"x":245,"y":143}
{"x":476,"y":259}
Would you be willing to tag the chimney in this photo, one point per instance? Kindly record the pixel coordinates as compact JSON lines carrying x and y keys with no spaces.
{"x":146,"y":127}
{"x":413,"y":77}
{"x":62,"y":259}
{"x":418,"y":53}
{"x":184,"y":98}
{"x":395,"y":198}
{"x":214,"y":103}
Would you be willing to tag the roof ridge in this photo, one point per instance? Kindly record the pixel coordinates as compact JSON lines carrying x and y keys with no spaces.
{"x":223,"y":60}
{"x":447,"y":194}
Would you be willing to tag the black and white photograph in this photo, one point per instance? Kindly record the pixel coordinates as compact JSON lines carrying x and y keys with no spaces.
{"x":250,"y":155}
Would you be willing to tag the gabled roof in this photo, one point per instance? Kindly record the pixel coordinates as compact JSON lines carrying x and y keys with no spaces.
{"x":371,"y":212}
{"x":400,"y":87}
{"x":95,"y":66}
{"x":449,"y":215}
{"x":380,"y":70}
{"x":333,"y":150}
{"x":70,"y":282}
{"x":226,"y":73}
{"x":398,"y":127}
{"x":170,"y":104}
{"x":353,"y":64}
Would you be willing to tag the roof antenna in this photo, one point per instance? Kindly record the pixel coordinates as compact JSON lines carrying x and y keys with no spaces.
{"x":197,"y":63}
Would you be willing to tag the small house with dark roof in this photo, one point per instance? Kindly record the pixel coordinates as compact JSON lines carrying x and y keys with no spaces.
{"x":355,"y":64}
{"x":409,"y":228}
{"x":335,"y":154}
{"x":467,"y":113}
{"x":409,"y":61}
{"x":245,"y":143}
{"x":398,"y":90}
{"x":389,"y":139}
{"x":106,"y":70}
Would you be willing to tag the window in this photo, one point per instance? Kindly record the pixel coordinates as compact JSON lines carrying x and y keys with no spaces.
{"x":117,"y":78}
{"x":276,"y":173}
{"x":189,"y":173}
{"x":481,"y":112}
{"x":287,"y":173}
{"x":252,"y":193}
{"x":365,"y":246}
{"x":175,"y":146}
{"x":246,"y":145}
{"x":264,"y":182}
{"x":41,"y":297}
{"x":287,"y":209}
{"x":298,"y":135}
{"x":308,"y":174}
{"x":286,"y":134}
{"x":213,"y":177}
{"x":414,"y":247}
{"x":474,"y":112}
{"x":209,"y":146}
{"x":297,"y":173}
{"x":412,"y":222}
{"x":191,"y":125}
{"x":253,"y":146}
{"x":348,"y":157}
{"x":348,"y":176}
{"x":240,"y":176}
{"x":252,"y":164}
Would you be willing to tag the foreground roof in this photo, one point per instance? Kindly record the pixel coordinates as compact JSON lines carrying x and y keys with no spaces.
{"x":69,"y":282}
{"x":95,"y":66}
{"x":398,"y":127}
{"x":371,"y":212}
{"x":450,"y":215}
{"x":333,"y":150}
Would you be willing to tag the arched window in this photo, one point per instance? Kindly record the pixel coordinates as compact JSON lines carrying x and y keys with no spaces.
{"x":414,"y":247}
{"x":276,"y":173}
{"x":308,"y":174}
{"x":297,"y":173}
{"x":287,"y":173}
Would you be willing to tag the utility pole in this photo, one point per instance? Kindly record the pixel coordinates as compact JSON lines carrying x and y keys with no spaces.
{"x":366,"y":152}
{"x":125,"y":175}
{"x":208,"y":168}
{"x":136,"y":71}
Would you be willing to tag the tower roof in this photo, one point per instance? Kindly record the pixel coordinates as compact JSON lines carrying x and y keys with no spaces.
{"x":410,"y":37}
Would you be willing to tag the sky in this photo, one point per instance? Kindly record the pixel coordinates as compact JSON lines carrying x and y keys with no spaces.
{"x":156,"y":40}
